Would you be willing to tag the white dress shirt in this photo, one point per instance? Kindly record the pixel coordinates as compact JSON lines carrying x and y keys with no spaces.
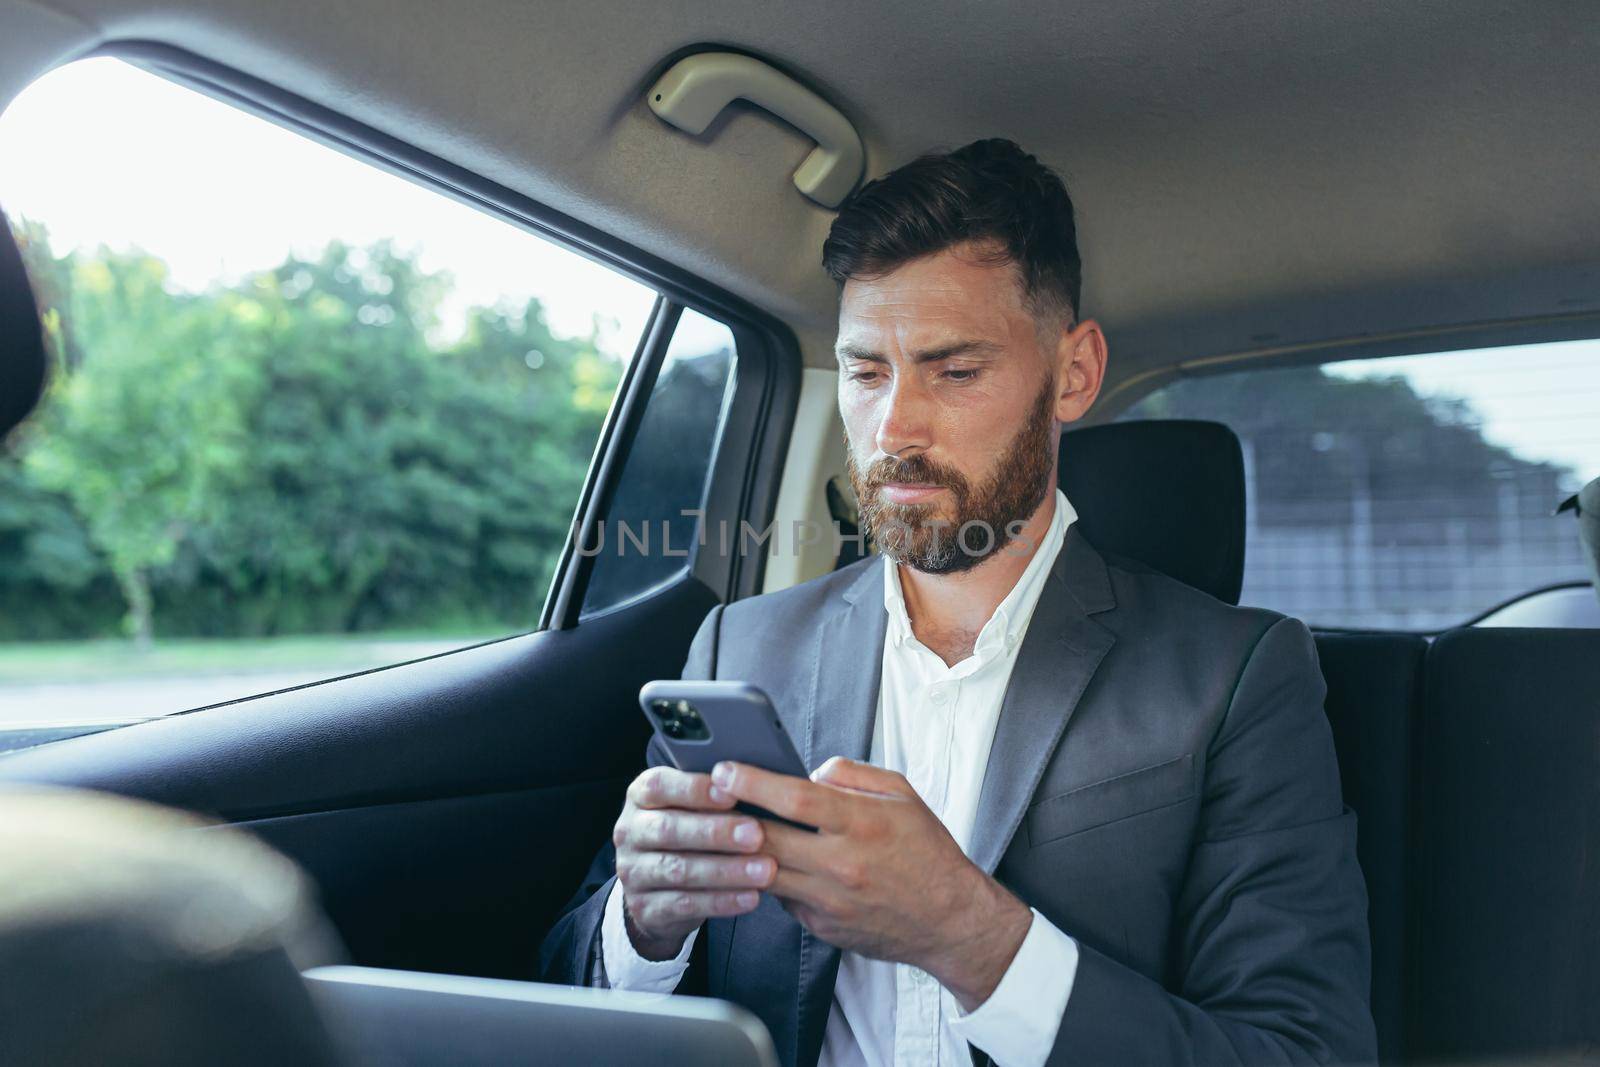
{"x":935,"y":725}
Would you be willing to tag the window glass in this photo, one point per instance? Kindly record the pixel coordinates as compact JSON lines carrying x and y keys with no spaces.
{"x":307,"y":418}
{"x":647,"y":539}
{"x":1407,"y":493}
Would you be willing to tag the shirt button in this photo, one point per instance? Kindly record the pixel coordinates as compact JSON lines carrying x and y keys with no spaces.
{"x":940,"y":696}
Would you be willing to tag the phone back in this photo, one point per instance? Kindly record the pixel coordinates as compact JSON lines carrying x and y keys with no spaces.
{"x":704,"y":723}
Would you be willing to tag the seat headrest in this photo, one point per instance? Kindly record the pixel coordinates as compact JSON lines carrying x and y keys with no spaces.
{"x":1167,"y":493}
{"x":22,"y":355}
{"x":136,"y":935}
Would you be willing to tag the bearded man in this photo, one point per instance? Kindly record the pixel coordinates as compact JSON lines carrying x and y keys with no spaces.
{"x":1069,"y":810}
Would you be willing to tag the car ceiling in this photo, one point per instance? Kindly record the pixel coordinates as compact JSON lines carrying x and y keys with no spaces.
{"x":1252,"y":177}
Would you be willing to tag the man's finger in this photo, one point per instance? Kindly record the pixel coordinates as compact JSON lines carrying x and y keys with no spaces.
{"x":671,"y":831}
{"x":651,"y":909}
{"x":864,"y":777}
{"x":787,"y":795}
{"x":646,"y":871}
{"x":668,"y":787}
{"x":807,"y":890}
{"x":796,"y":849}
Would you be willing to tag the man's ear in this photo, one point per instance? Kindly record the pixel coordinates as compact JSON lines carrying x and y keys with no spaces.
{"x":1080,"y":369}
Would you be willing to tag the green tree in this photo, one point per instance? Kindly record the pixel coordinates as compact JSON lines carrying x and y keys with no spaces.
{"x":145,"y":436}
{"x":395,"y":481}
{"x":294,"y":452}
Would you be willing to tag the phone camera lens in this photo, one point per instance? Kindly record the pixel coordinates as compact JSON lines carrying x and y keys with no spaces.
{"x":672,"y":728}
{"x":661,"y":709}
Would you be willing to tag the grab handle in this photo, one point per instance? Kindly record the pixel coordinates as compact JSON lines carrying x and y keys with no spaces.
{"x":696,"y":89}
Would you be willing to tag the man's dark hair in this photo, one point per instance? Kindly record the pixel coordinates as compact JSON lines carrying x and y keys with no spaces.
{"x":990,"y":192}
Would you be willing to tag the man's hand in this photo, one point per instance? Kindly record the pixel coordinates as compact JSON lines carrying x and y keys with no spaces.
{"x":684,"y":857}
{"x":882,"y":876}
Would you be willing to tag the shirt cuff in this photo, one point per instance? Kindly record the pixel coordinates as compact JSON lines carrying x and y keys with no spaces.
{"x":1017,"y":1025}
{"x":625,"y":968}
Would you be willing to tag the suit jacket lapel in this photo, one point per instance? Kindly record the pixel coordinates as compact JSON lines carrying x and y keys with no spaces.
{"x":849,"y":666}
{"x":1059,"y":655}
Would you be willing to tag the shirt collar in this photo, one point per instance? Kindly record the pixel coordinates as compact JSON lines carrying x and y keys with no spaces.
{"x":1009,"y":622}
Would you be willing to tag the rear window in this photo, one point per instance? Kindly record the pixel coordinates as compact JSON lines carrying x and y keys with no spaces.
{"x":1411,"y":493}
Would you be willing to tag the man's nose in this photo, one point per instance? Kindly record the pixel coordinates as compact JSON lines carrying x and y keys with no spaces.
{"x":906,"y":425}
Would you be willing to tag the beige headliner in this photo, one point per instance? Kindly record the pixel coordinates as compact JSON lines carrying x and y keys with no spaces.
{"x":1251,"y":176}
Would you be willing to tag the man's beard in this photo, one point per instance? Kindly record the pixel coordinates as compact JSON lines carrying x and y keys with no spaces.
{"x":920,"y":537}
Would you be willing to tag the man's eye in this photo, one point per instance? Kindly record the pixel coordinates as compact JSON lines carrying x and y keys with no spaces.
{"x":864,"y":377}
{"x":961,"y":375}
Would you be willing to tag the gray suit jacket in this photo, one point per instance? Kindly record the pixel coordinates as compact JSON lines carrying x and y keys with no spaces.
{"x":1162,"y":787}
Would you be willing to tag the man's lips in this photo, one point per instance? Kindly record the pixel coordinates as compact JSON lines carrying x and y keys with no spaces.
{"x":908,"y":492}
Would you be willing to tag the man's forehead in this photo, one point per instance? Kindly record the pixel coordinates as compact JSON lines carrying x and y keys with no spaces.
{"x":931,"y":298}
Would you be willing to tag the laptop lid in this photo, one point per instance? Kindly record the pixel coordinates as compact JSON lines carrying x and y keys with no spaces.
{"x":413,"y":1019}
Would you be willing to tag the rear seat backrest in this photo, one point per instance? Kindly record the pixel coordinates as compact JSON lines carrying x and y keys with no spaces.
{"x":1509,"y":827}
{"x":1374,"y":702}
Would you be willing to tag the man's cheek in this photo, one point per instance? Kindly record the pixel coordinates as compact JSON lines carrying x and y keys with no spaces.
{"x":859,"y":428}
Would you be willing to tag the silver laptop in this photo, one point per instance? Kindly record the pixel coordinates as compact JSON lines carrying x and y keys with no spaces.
{"x":411,"y":1019}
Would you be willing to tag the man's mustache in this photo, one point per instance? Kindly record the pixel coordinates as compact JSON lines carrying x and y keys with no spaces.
{"x":917,"y":470}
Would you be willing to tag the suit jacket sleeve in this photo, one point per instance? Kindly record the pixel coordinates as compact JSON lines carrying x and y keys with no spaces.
{"x":1270,"y":959}
{"x":569,"y":947}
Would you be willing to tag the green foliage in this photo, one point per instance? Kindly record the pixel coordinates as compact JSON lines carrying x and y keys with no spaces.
{"x":290,"y":454}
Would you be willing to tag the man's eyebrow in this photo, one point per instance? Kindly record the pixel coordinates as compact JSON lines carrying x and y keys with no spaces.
{"x":927,"y":355}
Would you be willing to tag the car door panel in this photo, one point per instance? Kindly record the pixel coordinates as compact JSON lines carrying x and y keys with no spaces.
{"x":445,"y":807}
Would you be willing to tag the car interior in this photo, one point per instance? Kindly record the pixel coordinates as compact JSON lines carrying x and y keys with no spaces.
{"x":1263,"y":191}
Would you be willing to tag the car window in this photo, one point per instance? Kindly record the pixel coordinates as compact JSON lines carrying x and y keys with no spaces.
{"x":307,"y":418}
{"x":1414,"y":492}
{"x":650,"y":532}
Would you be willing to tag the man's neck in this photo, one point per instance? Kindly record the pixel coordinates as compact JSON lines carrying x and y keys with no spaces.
{"x":948,"y":611}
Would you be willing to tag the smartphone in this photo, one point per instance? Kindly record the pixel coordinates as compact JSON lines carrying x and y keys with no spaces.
{"x":703,"y":723}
